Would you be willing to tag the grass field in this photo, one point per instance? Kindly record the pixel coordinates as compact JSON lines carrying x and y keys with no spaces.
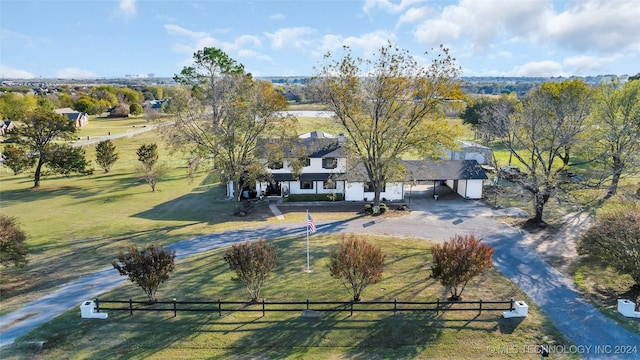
{"x":77,"y":224}
{"x":452,"y":335}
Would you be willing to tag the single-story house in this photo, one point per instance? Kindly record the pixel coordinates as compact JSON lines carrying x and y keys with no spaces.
{"x":327,"y":172}
{"x":79,"y":118}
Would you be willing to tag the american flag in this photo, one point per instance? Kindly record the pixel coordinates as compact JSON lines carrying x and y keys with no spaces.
{"x":311,"y":226}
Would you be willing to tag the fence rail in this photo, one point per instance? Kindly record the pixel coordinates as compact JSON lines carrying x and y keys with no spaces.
{"x":263,"y":306}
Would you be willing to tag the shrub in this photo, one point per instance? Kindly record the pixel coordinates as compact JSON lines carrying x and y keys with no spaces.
{"x":357,"y":263}
{"x":382,"y":208}
{"x":252,"y":263}
{"x":459,"y":260}
{"x":146,"y":268}
{"x":315,"y":197}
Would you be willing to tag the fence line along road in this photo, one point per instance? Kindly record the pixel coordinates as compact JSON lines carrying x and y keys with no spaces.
{"x":263,"y":306}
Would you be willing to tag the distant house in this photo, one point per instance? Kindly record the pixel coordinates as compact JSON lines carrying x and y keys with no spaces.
{"x":470,"y":150}
{"x":79,"y":118}
{"x":327,"y":172}
{"x":6,"y":126}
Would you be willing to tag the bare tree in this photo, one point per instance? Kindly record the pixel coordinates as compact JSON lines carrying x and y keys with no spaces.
{"x":390,"y":106}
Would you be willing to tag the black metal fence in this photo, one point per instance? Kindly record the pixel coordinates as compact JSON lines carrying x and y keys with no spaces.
{"x":263,"y":306}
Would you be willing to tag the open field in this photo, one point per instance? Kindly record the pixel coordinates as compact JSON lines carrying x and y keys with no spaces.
{"x":454,"y":335}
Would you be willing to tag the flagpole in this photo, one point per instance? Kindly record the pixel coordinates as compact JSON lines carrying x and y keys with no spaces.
{"x":308,"y":268}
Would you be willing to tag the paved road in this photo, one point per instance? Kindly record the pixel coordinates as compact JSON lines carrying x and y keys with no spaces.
{"x":596,"y":336}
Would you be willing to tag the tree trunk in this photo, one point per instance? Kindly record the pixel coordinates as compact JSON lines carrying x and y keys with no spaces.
{"x":541,"y":199}
{"x":615,"y":179}
{"x":36,"y":177}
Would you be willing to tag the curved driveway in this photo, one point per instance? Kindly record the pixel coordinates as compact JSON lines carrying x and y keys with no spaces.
{"x":597,"y":336}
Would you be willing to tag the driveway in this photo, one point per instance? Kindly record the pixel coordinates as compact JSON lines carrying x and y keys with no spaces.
{"x":597,"y":335}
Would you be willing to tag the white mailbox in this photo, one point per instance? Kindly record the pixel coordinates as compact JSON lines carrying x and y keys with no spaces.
{"x":628,"y":308}
{"x":88,"y":311}
{"x":520,"y":310}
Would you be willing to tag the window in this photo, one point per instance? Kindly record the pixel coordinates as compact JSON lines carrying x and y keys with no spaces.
{"x":307,"y":162}
{"x":275,"y":165}
{"x":368,"y":187}
{"x":306,"y":184}
{"x":329,"y":185}
{"x":329,"y":163}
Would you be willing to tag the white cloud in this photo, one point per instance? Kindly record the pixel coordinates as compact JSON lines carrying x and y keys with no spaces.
{"x":546,"y":68}
{"x":363,"y":45}
{"x":387,"y":5}
{"x":603,"y":26}
{"x":483,"y":22}
{"x":583,"y":65}
{"x":127,"y":8}
{"x":74,"y":73}
{"x":279,"y":16}
{"x":414,"y":15}
{"x":7,"y":72}
{"x":290,"y":38}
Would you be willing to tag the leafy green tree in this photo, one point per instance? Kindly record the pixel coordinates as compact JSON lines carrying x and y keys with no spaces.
{"x":150,"y":171}
{"x":614,"y":136}
{"x":17,"y":159}
{"x":357,"y":263}
{"x":13,"y":248}
{"x":390,"y":106}
{"x":634,"y":77}
{"x":221,"y":113}
{"x":459,"y":260}
{"x":135,"y":109}
{"x":106,"y":155}
{"x":147,"y":268}
{"x":614,"y":241}
{"x":252,"y":263}
{"x":129,"y":96}
{"x":15,"y":106}
{"x":85,"y":104}
{"x":37,"y":133}
{"x":65,"y":159}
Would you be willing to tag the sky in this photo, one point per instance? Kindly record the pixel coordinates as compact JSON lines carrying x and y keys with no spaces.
{"x":116,"y":38}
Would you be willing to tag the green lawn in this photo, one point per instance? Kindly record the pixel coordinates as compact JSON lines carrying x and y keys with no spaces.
{"x":452,"y":335}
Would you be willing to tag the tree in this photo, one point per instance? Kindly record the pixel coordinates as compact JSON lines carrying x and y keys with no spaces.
{"x":357,"y":263}
{"x":614,"y":240}
{"x":120,"y":110}
{"x":459,"y":260}
{"x":496,"y":121}
{"x":541,"y":134}
{"x":85,"y":104}
{"x":106,"y":155}
{"x":39,"y":129}
{"x":13,"y":249}
{"x":135,"y":109}
{"x":390,"y":107}
{"x":17,"y":159}
{"x":65,"y":159}
{"x":615,"y":136}
{"x":252,"y":263}
{"x":148,"y":157}
{"x":221,"y":113}
{"x":147,"y":268}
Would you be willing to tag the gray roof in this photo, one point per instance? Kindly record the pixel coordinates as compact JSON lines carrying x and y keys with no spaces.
{"x":316,"y":145}
{"x":434,"y":170}
{"x":429,"y":170}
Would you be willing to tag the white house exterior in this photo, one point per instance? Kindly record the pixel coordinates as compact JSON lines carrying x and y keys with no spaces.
{"x":327,"y":172}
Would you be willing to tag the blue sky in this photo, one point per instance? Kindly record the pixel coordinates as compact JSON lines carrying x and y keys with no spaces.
{"x":111,"y":38}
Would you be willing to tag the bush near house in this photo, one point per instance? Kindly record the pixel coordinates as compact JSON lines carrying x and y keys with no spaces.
{"x":315,"y":197}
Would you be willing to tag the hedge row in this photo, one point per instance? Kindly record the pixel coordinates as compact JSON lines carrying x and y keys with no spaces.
{"x":316,"y":197}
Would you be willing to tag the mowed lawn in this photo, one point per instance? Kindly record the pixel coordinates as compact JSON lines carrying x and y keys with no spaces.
{"x":449,"y":335}
{"x":78,"y":224}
